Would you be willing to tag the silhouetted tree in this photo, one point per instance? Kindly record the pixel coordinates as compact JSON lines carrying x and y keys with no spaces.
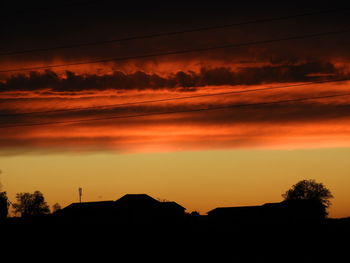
{"x":3,"y":206}
{"x":310,"y":190}
{"x":31,"y":204}
{"x":56,"y":207}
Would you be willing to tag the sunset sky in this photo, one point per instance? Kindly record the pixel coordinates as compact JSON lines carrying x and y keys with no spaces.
{"x":204,"y":105}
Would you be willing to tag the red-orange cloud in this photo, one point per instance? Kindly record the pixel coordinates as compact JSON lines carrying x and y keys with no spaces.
{"x":314,"y":123}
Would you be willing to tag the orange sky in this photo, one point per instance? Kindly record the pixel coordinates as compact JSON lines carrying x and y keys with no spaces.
{"x":236,"y":156}
{"x":198,"y":180}
{"x":300,"y":124}
{"x":56,"y":136}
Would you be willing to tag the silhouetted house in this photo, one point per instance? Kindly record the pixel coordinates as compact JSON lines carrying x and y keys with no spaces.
{"x":87,"y":212}
{"x":143,"y":209}
{"x":137,"y":201}
{"x":171,"y":211}
{"x":283,"y":212}
{"x":241,"y":214}
{"x":305,"y":210}
{"x":137,"y":209}
{"x":129,"y":209}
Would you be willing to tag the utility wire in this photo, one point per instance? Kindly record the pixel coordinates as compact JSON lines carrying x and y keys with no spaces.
{"x":185,"y":51}
{"x":174,"y":99}
{"x":156,"y":35}
{"x":177,"y":111}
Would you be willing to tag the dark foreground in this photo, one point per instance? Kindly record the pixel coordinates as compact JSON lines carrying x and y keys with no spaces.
{"x":326,"y":241}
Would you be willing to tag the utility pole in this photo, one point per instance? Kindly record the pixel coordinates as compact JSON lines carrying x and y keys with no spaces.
{"x":80,"y":193}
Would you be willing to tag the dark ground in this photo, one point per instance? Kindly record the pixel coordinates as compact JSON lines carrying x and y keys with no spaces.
{"x":318,"y":242}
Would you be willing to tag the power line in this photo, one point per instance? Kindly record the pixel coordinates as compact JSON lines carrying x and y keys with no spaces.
{"x":176,"y":98}
{"x":186,"y":51}
{"x":156,"y":35}
{"x":178,"y":111}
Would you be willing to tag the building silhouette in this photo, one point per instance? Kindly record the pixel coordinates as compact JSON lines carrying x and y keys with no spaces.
{"x":142,"y":209}
{"x":135,"y":209}
{"x":287,"y":211}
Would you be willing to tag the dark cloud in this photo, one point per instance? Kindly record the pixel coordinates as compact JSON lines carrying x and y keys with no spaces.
{"x":311,"y":111}
{"x":186,"y":81}
{"x":51,"y":25}
{"x":31,"y":26}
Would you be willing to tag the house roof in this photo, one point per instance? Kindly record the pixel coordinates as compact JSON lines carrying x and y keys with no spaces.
{"x":232,"y":209}
{"x":87,"y":207}
{"x":90,"y":204}
{"x":273,"y":205}
{"x":128,"y":201}
{"x":136,"y":198}
{"x":171,"y":205}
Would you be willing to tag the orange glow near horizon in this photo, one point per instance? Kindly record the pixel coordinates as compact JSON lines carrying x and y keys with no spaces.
{"x":199,"y":181}
{"x":304,"y":124}
{"x":228,"y":157}
{"x":206,"y":105}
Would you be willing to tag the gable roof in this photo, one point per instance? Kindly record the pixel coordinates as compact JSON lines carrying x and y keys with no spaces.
{"x":89,"y":204}
{"x":87,"y":207}
{"x":136,"y":199}
{"x":141,"y":202}
{"x":171,"y":205}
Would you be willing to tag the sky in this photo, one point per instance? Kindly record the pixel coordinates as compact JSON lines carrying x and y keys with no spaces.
{"x":223,"y":105}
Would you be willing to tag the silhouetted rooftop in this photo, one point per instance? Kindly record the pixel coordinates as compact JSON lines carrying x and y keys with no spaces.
{"x":172,"y":205}
{"x":227,"y":209}
{"x":136,"y":199}
{"x":86,"y":208}
{"x":90,"y":204}
{"x":129,"y":208}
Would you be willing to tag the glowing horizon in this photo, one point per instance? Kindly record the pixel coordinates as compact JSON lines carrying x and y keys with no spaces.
{"x":232,"y":156}
{"x":199,"y":181}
